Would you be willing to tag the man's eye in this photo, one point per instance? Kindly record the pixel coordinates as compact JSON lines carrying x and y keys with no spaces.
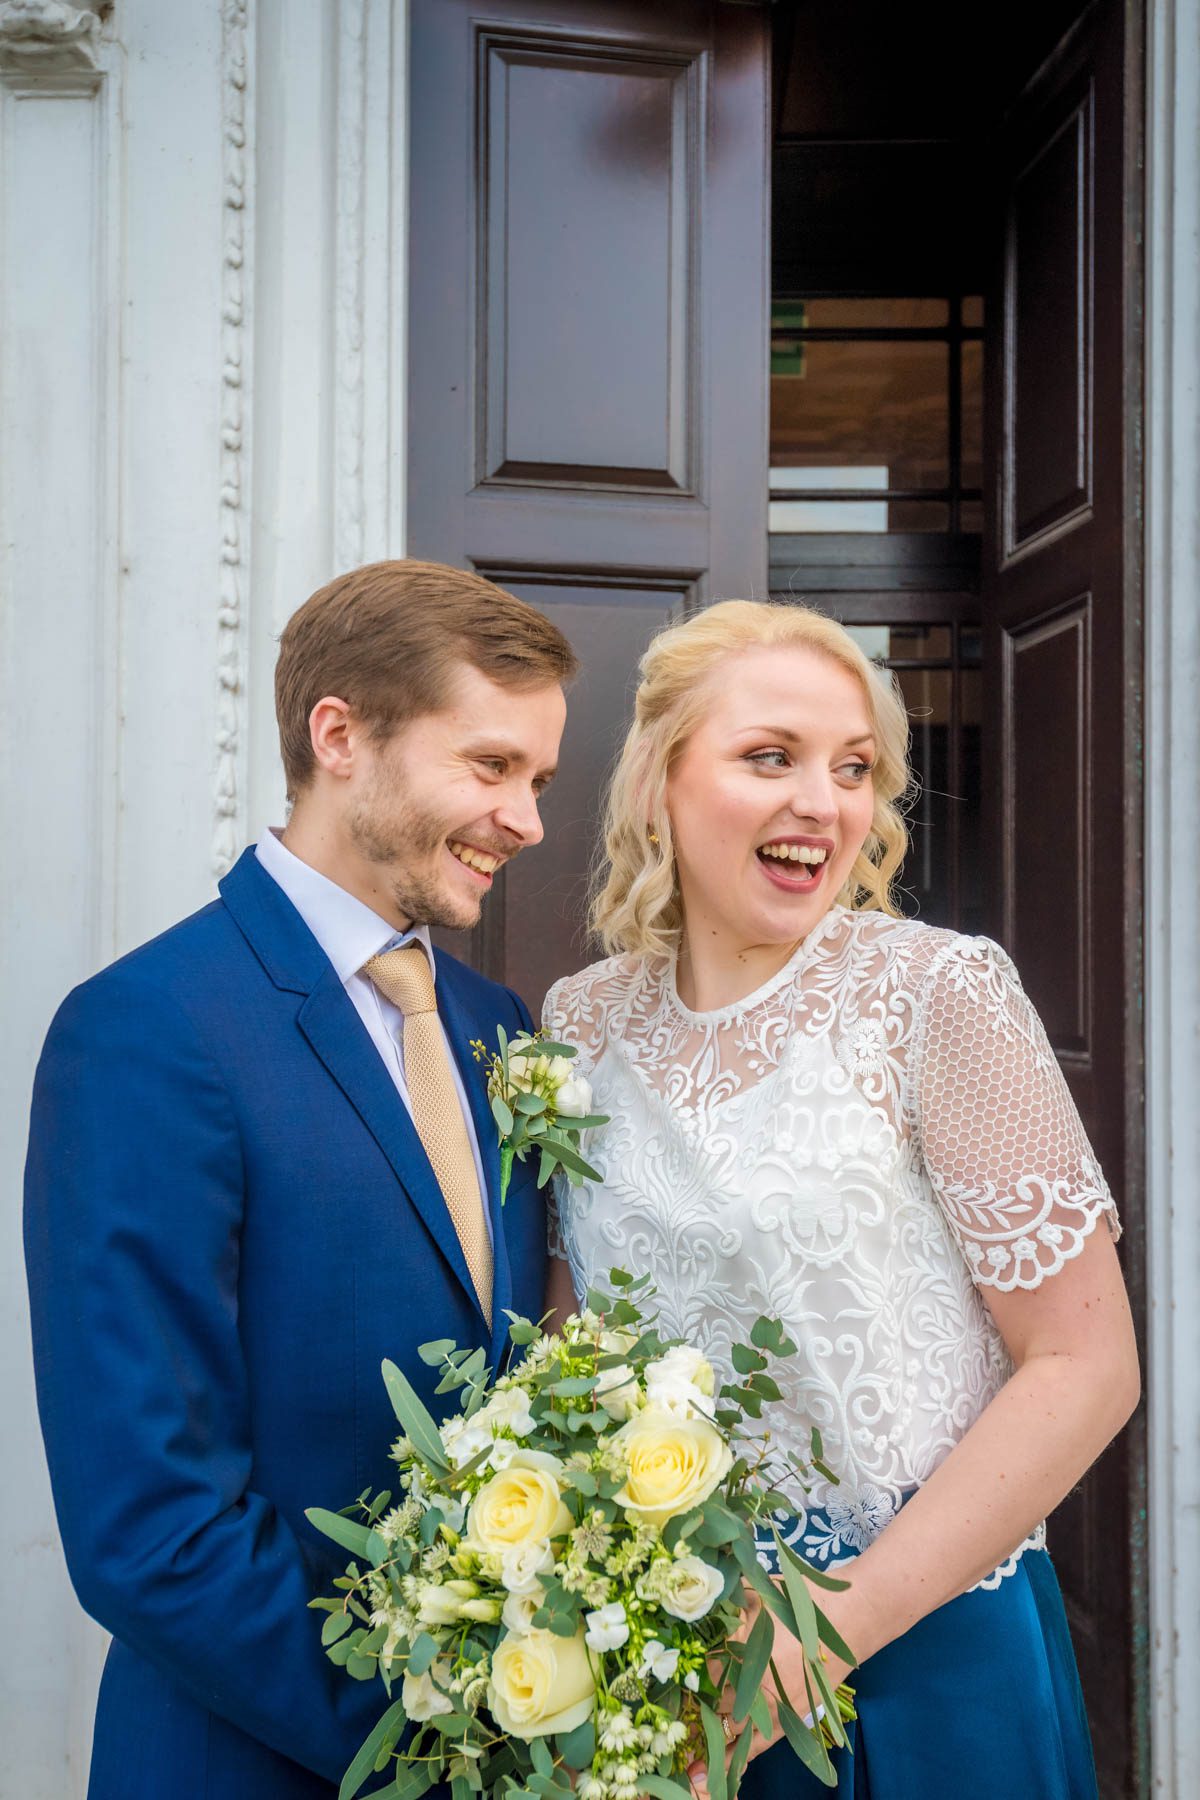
{"x":496,"y":764}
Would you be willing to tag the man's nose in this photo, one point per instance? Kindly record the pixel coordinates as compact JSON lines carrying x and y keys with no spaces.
{"x":519,"y":815}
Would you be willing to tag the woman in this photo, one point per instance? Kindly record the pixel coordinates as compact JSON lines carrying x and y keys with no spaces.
{"x":853,"y":1121}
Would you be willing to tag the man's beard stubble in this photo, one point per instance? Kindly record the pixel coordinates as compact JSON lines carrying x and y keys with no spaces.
{"x":399,"y":835}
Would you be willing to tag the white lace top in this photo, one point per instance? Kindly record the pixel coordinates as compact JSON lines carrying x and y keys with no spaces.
{"x":858,"y":1148}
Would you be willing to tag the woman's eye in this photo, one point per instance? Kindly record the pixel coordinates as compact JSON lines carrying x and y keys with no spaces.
{"x":769,"y":759}
{"x":857,"y":771}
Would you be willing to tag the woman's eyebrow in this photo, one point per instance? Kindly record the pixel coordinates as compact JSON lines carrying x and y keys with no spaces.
{"x":790,"y":737}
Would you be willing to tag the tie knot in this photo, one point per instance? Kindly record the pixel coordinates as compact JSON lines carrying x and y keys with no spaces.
{"x":405,"y":977}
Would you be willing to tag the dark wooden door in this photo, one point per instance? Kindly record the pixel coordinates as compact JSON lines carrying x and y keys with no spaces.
{"x":587,"y":356}
{"x":1061,"y":608}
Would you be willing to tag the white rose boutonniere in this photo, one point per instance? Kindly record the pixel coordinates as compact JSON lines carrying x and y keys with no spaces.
{"x":538,"y":1104}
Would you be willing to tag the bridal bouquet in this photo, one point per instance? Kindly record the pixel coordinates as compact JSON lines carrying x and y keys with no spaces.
{"x":556,"y":1602}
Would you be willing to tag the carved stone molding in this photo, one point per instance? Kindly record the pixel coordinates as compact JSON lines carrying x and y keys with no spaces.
{"x":48,"y":38}
{"x":349,"y":412}
{"x":227,"y":796}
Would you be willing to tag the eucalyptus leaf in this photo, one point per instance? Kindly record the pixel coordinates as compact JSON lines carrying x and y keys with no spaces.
{"x":436,"y":1351}
{"x":578,"y":1747}
{"x":808,"y":1746}
{"x":502,"y":1115}
{"x":714,"y":1739}
{"x":418,"y":1424}
{"x":422,"y":1654}
{"x":365,"y":1761}
{"x":336,"y":1625}
{"x":348,"y":1533}
{"x":759,"y":1645}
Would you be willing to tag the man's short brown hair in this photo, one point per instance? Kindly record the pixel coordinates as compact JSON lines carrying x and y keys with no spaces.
{"x":386,"y":638}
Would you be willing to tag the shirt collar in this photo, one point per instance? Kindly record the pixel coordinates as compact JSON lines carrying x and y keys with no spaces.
{"x":349,"y":932}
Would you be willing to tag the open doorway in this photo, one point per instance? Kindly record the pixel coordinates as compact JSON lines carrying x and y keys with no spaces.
{"x":954,"y":474}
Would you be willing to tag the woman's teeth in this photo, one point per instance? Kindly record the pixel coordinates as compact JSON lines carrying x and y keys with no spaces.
{"x":475,"y":859}
{"x":801,"y":853}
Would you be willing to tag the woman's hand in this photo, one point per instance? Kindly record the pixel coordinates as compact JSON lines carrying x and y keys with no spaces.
{"x":788,"y":1659}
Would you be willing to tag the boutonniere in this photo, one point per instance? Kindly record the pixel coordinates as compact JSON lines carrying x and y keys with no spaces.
{"x":538,"y":1104}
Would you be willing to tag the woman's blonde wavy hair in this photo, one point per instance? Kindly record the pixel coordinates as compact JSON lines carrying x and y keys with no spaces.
{"x":636,"y":903}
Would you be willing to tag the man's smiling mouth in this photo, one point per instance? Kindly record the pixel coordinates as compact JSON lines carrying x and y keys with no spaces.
{"x":482,"y":861}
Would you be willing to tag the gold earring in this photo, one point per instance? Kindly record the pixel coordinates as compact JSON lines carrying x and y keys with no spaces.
{"x":652,"y":835}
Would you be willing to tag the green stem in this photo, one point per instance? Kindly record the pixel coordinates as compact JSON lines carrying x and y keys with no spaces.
{"x":506,"y":1163}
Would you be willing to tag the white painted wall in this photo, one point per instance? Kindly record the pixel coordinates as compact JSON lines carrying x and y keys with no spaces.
{"x":1172,"y":885}
{"x":202,"y":221}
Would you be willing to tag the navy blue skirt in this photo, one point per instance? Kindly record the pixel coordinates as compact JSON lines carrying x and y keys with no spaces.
{"x":979,"y":1701}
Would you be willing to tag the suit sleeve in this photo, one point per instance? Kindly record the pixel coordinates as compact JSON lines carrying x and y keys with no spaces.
{"x":133,"y":1209}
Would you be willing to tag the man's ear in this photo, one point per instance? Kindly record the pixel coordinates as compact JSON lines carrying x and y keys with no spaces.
{"x":332,"y":732}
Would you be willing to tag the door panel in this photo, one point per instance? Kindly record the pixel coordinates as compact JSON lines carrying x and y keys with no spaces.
{"x":1061,"y":607}
{"x":588,"y":357}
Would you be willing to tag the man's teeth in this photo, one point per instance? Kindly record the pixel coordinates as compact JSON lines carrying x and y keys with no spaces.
{"x":802,"y":853}
{"x":475,"y":859}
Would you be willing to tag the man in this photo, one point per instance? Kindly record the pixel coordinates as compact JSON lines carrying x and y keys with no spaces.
{"x":261,"y":1160}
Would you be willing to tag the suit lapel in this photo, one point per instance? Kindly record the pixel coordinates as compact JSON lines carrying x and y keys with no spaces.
{"x":335,"y":1031}
{"x":294,"y":960}
{"x":460,"y":1029}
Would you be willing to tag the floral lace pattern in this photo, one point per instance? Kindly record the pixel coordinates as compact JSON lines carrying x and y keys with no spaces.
{"x":859,"y":1147}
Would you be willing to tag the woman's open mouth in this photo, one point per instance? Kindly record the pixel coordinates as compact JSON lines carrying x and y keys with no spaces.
{"x":794,"y":864}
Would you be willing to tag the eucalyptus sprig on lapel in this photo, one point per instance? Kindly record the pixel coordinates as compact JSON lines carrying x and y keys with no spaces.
{"x":538,"y":1104}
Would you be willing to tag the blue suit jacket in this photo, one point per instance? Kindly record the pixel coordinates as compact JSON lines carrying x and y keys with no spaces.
{"x":230,"y":1222}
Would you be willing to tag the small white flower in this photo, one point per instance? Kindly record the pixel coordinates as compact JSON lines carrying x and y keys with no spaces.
{"x":607,"y":1627}
{"x":437,"y":1606}
{"x":617,"y":1391}
{"x":464,"y":1439}
{"x":521,"y":1565}
{"x":691,"y":1681}
{"x":508,"y":1410}
{"x":422,"y":1697}
{"x":659,"y":1662}
{"x":574,"y":1097}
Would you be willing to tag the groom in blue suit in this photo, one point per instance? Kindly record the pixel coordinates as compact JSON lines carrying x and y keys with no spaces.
{"x":236,"y":1206}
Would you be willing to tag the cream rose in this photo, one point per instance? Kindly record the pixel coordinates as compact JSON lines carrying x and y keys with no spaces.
{"x":673,"y":1463}
{"x":519,"y":1505}
{"x":540,"y":1683}
{"x":694,"y":1589}
{"x":617,"y":1391}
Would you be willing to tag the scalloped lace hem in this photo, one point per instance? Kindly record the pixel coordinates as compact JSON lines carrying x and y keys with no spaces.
{"x":1035,"y":1541}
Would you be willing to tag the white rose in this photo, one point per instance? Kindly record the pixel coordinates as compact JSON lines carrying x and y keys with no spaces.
{"x":574,"y":1098}
{"x":607,"y":1627}
{"x":618,"y":1392}
{"x":659,"y":1662}
{"x":519,"y":1609}
{"x":683,"y":1381}
{"x":521,"y":1565}
{"x":540,"y":1683}
{"x":695,"y":1587}
{"x":422,"y":1697}
{"x":559,"y":1070}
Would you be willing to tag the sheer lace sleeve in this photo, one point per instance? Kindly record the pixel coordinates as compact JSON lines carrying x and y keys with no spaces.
{"x":997,"y":1128}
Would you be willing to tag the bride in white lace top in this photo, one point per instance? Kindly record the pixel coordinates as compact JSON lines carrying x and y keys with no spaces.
{"x":843,"y":1118}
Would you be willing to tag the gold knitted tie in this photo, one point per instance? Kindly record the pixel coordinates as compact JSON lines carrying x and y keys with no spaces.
{"x":405,"y":977}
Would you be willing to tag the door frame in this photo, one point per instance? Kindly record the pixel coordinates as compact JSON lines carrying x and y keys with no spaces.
{"x":1172,"y":851}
